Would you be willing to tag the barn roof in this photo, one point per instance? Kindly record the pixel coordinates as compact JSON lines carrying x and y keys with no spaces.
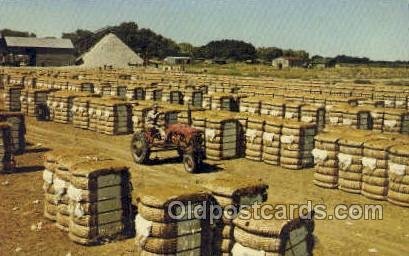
{"x":34,"y":42}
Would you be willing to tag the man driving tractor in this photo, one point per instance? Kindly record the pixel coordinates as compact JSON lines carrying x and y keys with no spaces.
{"x":152,"y":121}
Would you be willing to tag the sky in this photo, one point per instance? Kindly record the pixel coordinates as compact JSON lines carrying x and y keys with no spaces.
{"x":378,"y":29}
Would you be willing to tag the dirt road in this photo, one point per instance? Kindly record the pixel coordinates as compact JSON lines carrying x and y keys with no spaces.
{"x":21,"y":199}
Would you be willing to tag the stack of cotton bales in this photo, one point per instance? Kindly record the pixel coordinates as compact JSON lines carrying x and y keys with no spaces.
{"x":221,"y":135}
{"x":12,"y":95}
{"x":165,"y":225}
{"x":293,"y":110}
{"x":297,"y":143}
{"x":16,"y":120}
{"x":375,"y":168}
{"x":250,"y":105}
{"x":35,"y":99}
{"x":60,"y":105}
{"x":95,"y":113}
{"x":64,"y":162}
{"x":231,"y":195}
{"x":80,"y":112}
{"x":254,"y":138}
{"x":271,"y":140}
{"x":222,"y":101}
{"x":398,"y":173}
{"x":153,"y":93}
{"x":377,"y":115}
{"x":138,"y":116}
{"x":6,"y":148}
{"x":326,"y":161}
{"x":100,"y":201}
{"x":257,"y":236}
{"x":334,"y":114}
{"x":115,"y":118}
{"x":193,"y":97}
{"x":51,"y":195}
{"x":357,"y":117}
{"x":274,"y":107}
{"x":396,"y":121}
{"x":350,"y":160}
{"x":314,"y":114}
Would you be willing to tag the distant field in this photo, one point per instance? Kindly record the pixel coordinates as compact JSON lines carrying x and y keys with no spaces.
{"x":257,"y":70}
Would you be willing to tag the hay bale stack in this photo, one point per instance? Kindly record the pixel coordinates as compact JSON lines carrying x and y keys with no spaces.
{"x":293,"y":110}
{"x":271,"y":140}
{"x":314,"y":113}
{"x":297,"y":143}
{"x":159,"y":233}
{"x":16,"y":120}
{"x":115,"y":118}
{"x":221,"y":135}
{"x":351,"y":147}
{"x":100,"y":201}
{"x":12,"y":94}
{"x":325,"y":157}
{"x":396,"y":121}
{"x":256,"y":236}
{"x":254,"y":138}
{"x":231,"y":193}
{"x":375,"y":168}
{"x":6,"y":148}
{"x":398,"y":173}
{"x":273,"y":107}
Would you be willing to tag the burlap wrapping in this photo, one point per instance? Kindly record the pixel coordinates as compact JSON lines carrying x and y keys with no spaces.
{"x":172,"y":245}
{"x":195,"y":252}
{"x":239,"y":190}
{"x":109,"y":230}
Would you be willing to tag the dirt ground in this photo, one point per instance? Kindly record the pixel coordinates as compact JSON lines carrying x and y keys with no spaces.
{"x":21,"y":202}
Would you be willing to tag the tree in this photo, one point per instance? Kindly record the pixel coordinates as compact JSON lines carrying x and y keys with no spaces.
{"x":9,"y":32}
{"x":186,"y":49}
{"x":144,"y":41}
{"x":228,"y":49}
{"x":269,"y":53}
{"x":296,"y":53}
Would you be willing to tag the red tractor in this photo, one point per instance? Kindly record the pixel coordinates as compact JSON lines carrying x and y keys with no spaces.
{"x":186,"y":140}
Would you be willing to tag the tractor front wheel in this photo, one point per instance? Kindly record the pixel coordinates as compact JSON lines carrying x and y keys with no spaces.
{"x":190,"y":163}
{"x":139,"y":148}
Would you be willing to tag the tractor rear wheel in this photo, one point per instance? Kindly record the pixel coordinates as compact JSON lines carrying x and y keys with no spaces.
{"x":190,"y":163}
{"x":140,"y":148}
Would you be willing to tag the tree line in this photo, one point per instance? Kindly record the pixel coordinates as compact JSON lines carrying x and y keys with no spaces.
{"x":151,"y":45}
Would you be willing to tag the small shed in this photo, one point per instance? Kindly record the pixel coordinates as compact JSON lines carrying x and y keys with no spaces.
{"x":173,"y":60}
{"x":288,"y":62}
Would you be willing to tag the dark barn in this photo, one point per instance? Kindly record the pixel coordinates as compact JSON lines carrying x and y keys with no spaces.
{"x":32,"y":51}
